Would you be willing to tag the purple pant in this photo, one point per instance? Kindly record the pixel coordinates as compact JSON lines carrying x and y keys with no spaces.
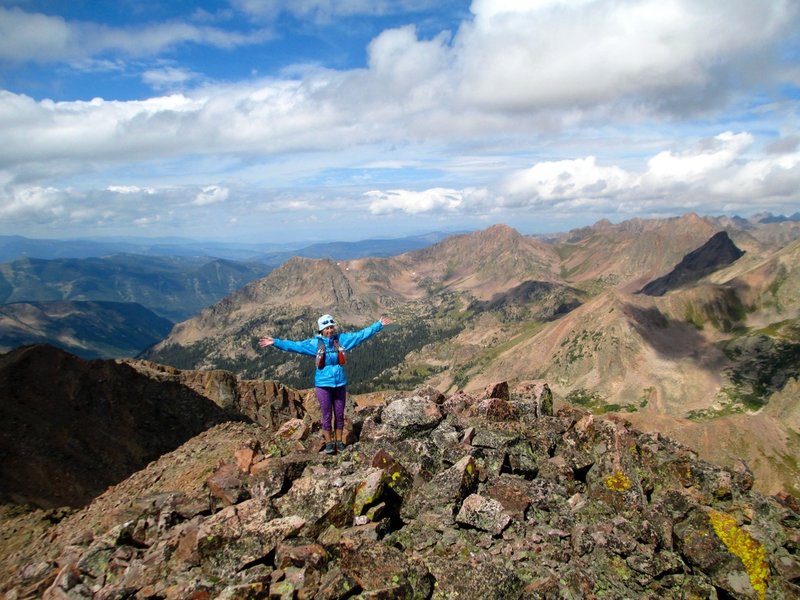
{"x":332,"y":399}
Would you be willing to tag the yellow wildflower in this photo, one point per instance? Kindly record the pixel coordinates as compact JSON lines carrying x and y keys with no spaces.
{"x":618,"y":482}
{"x":750,"y":552}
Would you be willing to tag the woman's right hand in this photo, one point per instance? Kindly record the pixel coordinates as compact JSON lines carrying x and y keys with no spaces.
{"x":266,"y":341}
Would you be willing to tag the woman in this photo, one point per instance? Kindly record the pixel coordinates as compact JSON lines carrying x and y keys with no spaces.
{"x":330,"y":381}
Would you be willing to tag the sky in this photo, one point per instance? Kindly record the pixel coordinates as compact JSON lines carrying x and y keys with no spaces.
{"x":279,"y":121}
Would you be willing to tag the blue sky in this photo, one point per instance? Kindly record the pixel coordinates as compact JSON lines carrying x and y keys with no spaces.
{"x":269,"y":120}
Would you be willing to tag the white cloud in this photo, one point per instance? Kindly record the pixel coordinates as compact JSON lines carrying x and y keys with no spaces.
{"x":694,"y":165}
{"x":433,"y":200}
{"x":716,"y":175}
{"x":37,"y":37}
{"x":26,"y":36}
{"x":130,"y":189}
{"x":519,"y":55}
{"x":326,"y":10}
{"x":766,"y":180}
{"x":168,"y":77}
{"x":37,"y":204}
{"x":211,"y":195}
{"x":528,"y":70}
{"x":566,"y":179}
{"x":401,"y":63}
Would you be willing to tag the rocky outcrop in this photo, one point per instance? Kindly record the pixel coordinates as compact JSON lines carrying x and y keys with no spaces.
{"x":464,"y":496}
{"x":71,"y":427}
{"x":266,"y":402}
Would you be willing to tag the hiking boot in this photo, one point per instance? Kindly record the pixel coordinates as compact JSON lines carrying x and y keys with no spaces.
{"x":340,"y":446}
{"x":330,"y":448}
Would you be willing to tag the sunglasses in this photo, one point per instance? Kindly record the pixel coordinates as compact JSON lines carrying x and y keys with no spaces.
{"x":329,"y":322}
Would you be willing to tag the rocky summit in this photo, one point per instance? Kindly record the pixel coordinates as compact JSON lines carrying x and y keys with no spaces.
{"x":493,"y":495}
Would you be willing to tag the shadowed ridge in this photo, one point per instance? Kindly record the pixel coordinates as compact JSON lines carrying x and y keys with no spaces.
{"x":716,"y":253}
{"x":73,"y":427}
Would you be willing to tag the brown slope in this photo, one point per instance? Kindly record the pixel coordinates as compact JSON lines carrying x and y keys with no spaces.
{"x":621,"y":346}
{"x":661,"y":357}
{"x":630,"y":254}
{"x":771,"y":287}
{"x":484,"y":263}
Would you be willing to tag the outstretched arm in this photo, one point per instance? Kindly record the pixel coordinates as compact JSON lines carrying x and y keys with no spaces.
{"x":352,"y":339}
{"x":308,"y":346}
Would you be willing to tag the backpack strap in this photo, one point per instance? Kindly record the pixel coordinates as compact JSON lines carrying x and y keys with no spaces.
{"x":320,"y":358}
{"x":339,"y":350}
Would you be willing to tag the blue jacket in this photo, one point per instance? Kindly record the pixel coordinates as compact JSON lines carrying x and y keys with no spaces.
{"x":332,"y":374}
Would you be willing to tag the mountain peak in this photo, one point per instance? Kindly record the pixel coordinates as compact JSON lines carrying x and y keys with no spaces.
{"x":717,"y":252}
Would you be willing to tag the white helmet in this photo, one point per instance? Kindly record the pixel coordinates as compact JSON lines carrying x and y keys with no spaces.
{"x":325,"y":321}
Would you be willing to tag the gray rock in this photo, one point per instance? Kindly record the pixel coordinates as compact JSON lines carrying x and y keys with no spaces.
{"x":482,"y":513}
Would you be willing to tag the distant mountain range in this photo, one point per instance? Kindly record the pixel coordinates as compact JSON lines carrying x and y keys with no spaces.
{"x":14,"y":247}
{"x":712,"y":360}
{"x":170,"y":286}
{"x":174,"y":279}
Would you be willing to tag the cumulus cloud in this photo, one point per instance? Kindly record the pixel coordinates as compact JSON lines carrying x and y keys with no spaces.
{"x":435,"y":199}
{"x":566,"y":179}
{"x":712,"y":157}
{"x":36,"y":204}
{"x":715,"y":174}
{"x":516,"y":55}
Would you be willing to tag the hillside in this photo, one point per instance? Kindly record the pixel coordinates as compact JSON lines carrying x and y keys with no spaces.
{"x":172,"y":287}
{"x":488,"y":496}
{"x":71,"y":428}
{"x":86,"y":328}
